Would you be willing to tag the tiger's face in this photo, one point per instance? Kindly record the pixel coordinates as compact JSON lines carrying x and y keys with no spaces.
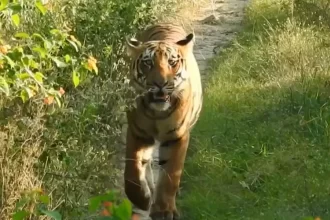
{"x":158,"y":69}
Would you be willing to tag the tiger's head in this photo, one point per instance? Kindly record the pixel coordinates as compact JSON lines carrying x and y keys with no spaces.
{"x":159,"y":69}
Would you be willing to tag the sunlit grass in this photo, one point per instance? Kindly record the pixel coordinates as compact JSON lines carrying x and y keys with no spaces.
{"x":261,"y":147}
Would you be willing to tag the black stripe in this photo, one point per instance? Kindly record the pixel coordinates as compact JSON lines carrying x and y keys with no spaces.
{"x":181,"y":123}
{"x":147,"y":140}
{"x":137,"y":81}
{"x":178,"y":127}
{"x":182,"y":80}
{"x":162,"y":162}
{"x":175,"y":106}
{"x":146,"y":110}
{"x":134,"y":64}
{"x":152,"y":35}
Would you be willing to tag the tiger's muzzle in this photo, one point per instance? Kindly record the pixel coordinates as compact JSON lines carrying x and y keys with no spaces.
{"x":159,"y":97}
{"x":160,"y":93}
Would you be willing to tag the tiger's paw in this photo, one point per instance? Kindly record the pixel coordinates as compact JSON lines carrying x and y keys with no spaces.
{"x":165,"y":215}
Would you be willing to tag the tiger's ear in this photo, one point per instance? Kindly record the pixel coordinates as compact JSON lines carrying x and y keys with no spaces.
{"x":187,"y":43}
{"x":133,"y":46}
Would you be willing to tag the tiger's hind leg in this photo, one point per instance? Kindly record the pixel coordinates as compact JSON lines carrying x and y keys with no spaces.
{"x":137,"y":167}
{"x":173,"y":154}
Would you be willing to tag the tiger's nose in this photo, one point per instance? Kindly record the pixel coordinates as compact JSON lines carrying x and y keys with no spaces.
{"x":161,"y":85}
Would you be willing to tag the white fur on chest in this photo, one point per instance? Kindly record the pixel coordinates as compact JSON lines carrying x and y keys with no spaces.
{"x":160,"y":106}
{"x":151,"y":152}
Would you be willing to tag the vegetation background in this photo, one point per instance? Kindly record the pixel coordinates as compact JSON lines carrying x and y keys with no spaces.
{"x":63,"y":80}
{"x":261,"y":147}
{"x":63,"y":87}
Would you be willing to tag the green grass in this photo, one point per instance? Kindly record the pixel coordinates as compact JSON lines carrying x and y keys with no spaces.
{"x":261,"y":147}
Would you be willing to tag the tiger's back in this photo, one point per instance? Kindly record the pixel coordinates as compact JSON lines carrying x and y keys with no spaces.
{"x":165,"y":70}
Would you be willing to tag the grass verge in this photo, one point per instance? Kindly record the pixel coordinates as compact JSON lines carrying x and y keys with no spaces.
{"x":261,"y":147}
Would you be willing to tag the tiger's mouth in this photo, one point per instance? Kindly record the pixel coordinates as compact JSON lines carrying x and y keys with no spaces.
{"x":159,"y":97}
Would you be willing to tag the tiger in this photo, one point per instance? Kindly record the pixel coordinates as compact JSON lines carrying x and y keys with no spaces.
{"x":165,"y":74}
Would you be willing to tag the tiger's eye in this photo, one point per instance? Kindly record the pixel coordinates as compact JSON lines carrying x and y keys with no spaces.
{"x":147,"y":62}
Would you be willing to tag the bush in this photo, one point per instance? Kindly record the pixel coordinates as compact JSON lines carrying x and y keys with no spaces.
{"x":63,"y":86}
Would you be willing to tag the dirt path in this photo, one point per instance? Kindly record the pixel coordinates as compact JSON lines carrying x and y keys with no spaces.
{"x":215,"y":26}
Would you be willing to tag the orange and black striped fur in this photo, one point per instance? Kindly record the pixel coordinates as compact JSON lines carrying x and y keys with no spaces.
{"x":166,"y":74}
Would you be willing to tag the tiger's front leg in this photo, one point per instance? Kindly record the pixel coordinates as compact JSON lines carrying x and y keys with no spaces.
{"x":138,"y":156}
{"x":173,"y":153}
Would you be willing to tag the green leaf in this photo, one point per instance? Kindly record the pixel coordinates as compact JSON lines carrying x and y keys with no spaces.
{"x":39,"y":76}
{"x":33,"y":64}
{"x":59,"y":63}
{"x":4,"y":86}
{"x":22,"y":35}
{"x":24,"y":95}
{"x":56,"y":32}
{"x":29,"y":92}
{"x":48,"y":45}
{"x":41,"y":8}
{"x":16,"y":20}
{"x":25,"y":61}
{"x":94,"y":203}
{"x":10,"y":61}
{"x":20,"y":215}
{"x":53,"y":214}
{"x":124,"y":210}
{"x":105,"y":218}
{"x":36,"y":35}
{"x":15,"y":7}
{"x":23,"y":76}
{"x":75,"y":78}
{"x":3,"y":4}
{"x":67,"y":58}
{"x":44,"y":199}
{"x":21,"y":203}
{"x":34,"y":88}
{"x":41,"y":51}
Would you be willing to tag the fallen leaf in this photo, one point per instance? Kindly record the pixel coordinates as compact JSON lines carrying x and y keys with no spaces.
{"x":91,"y":64}
{"x":4,"y":49}
{"x":107,"y":204}
{"x":105,"y":212}
{"x":49,"y":100}
{"x":61,"y":91}
{"x":135,"y":217}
